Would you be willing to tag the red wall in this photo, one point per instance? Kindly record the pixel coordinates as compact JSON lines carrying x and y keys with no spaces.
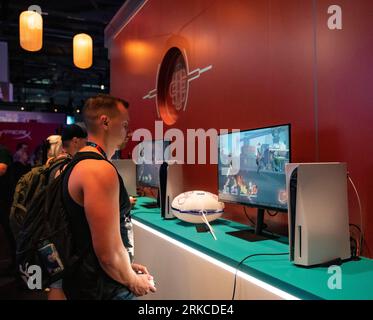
{"x":274,"y":62}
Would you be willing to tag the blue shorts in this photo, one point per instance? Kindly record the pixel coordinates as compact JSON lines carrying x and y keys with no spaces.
{"x":57,"y":284}
{"x":124,"y":295}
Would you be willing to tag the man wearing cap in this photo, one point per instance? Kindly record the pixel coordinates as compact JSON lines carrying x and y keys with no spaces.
{"x":74,"y":138}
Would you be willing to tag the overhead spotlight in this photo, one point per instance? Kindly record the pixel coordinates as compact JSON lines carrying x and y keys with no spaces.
{"x":102,"y":87}
{"x":77,"y":110}
{"x":55,"y":110}
{"x":22,"y":109}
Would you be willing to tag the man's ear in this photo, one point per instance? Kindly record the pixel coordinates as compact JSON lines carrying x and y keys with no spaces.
{"x":104,"y":120}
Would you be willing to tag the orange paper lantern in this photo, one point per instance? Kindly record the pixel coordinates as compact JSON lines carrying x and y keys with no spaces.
{"x":31,"y":30}
{"x":83,"y":50}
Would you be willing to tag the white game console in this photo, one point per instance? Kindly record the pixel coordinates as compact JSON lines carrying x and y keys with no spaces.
{"x":318,"y":213}
{"x":170,"y":186}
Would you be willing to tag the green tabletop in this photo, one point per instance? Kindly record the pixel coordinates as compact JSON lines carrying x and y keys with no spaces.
{"x":304,"y":283}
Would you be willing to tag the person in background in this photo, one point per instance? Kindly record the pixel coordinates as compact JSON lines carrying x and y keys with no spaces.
{"x":6,"y":197}
{"x":54,"y":155}
{"x":52,"y":148}
{"x":21,"y":161}
{"x":74,"y":138}
{"x":22,"y":151}
{"x":36,"y":158}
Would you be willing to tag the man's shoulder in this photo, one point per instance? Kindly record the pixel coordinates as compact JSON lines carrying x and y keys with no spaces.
{"x":94,"y":174}
{"x":98,"y":167}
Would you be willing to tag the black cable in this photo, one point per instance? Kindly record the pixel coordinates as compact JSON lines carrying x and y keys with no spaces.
{"x":250,"y":256}
{"x":356,"y":226}
{"x":248,"y":218}
{"x":272,"y":214}
{"x":361,"y":243}
{"x":353,"y":252}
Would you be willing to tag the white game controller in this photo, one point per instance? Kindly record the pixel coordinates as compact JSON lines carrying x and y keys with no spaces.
{"x":152,"y":282}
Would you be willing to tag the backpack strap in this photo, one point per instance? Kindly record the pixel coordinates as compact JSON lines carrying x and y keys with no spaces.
{"x":57,"y":164}
{"x":85,"y":156}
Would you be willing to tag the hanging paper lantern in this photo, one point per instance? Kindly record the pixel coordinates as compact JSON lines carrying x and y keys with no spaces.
{"x":31,"y":30}
{"x":83,"y":50}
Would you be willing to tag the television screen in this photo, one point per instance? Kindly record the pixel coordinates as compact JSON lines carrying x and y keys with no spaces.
{"x":151,"y":154}
{"x":70,"y":120}
{"x":251,"y":167}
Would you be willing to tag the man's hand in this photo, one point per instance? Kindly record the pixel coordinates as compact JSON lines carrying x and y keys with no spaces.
{"x":138,"y":268}
{"x":142,"y":285}
{"x":133,"y":201}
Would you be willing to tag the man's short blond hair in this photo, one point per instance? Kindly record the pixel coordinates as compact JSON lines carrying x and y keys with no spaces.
{"x":102,"y":104}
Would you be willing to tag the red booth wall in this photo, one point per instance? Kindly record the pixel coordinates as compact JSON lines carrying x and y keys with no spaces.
{"x":273,"y":62}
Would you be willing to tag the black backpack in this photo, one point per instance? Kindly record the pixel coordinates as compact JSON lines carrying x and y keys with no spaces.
{"x":27,"y":188}
{"x":45,"y":241}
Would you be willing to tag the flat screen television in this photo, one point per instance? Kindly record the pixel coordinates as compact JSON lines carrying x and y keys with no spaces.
{"x":251,"y":168}
{"x":151,"y":155}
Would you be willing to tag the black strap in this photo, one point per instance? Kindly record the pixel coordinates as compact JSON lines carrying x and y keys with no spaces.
{"x":60,"y":164}
{"x":86,"y":155}
{"x":98,"y":148}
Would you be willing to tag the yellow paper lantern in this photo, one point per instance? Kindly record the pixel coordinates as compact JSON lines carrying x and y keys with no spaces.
{"x":31,"y":30}
{"x":83,"y":50}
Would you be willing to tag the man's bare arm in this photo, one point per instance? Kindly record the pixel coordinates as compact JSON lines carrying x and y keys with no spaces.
{"x":100,"y":187}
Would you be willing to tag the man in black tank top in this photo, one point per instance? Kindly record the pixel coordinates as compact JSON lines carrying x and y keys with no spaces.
{"x":99,"y":206}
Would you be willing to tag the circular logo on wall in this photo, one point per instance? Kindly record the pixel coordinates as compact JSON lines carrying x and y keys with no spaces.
{"x":178,"y":87}
{"x":173,"y":82}
{"x":172,"y":86}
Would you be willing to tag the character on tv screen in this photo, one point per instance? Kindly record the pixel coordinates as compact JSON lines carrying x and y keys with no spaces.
{"x":259,"y":157}
{"x":230,"y":185}
{"x":252,"y":190}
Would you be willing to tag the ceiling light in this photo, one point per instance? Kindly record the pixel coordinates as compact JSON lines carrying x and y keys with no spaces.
{"x":82,"y":50}
{"x":31,"y":30}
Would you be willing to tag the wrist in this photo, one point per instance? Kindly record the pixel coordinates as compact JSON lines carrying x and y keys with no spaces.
{"x":131,"y":279}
